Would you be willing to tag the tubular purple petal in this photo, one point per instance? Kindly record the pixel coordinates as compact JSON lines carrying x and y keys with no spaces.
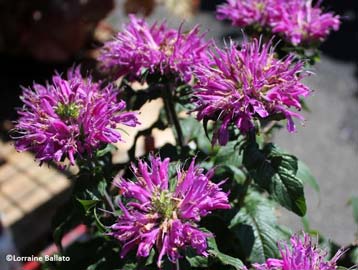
{"x":69,"y":117}
{"x":240,"y":85}
{"x":156,"y":48}
{"x":298,"y":21}
{"x":300,"y":254}
{"x":166,"y":219}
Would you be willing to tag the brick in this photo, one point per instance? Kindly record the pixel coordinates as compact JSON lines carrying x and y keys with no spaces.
{"x":10,"y":215}
{"x":7,"y":171}
{"x":34,"y":198}
{"x":18,"y":186}
{"x":4,"y":203}
{"x":22,"y":161}
{"x":6,"y":149}
{"x":58,"y":183}
{"x":40,"y":173}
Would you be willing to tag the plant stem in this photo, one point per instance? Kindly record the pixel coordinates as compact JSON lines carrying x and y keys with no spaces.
{"x":269,"y":127}
{"x":177,"y":265}
{"x":172,"y":115}
{"x":109,"y":201}
{"x":251,"y":139}
{"x":243,"y":194}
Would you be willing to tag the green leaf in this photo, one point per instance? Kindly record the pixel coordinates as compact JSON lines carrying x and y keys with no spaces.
{"x":306,"y":223}
{"x":354,"y":256}
{"x":65,"y":219}
{"x":194,"y":259}
{"x":239,"y":174}
{"x":229,"y":155}
{"x":226,"y":259}
{"x":88,"y":204}
{"x":276,"y":172}
{"x":354,"y":202}
{"x":191,"y":128}
{"x":96,"y":265}
{"x":256,"y":221}
{"x":108,"y":149}
{"x":150,"y":258}
{"x":129,"y":266}
{"x":223,"y":258}
{"x":304,"y":173}
{"x":287,"y":190}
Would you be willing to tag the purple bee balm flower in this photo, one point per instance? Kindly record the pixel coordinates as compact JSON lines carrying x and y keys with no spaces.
{"x":240,"y":85}
{"x":244,"y":13}
{"x":157,"y":48}
{"x":295,"y":20}
{"x":300,"y":22}
{"x":301,"y":254}
{"x":163,"y":212}
{"x":69,"y":117}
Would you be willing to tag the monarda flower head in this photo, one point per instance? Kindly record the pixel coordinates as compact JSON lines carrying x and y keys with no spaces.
{"x":244,"y":13}
{"x":301,"y":254}
{"x":299,"y":21}
{"x":69,"y":117}
{"x":155,"y":48}
{"x":240,"y":85}
{"x":164,"y":212}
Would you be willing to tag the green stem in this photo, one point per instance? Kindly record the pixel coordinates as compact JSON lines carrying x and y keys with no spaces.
{"x":245,"y":189}
{"x":109,"y":200}
{"x":171,"y":112}
{"x":251,"y":139}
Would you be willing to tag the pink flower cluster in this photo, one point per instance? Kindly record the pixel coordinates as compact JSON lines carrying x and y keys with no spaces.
{"x":163,"y":212}
{"x":69,"y":117}
{"x":298,"y":21}
{"x":301,"y":254}
{"x":243,"y":84}
{"x":244,"y":13}
{"x":141,"y":47}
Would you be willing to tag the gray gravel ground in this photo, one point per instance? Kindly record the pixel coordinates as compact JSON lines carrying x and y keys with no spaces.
{"x":327,"y":143}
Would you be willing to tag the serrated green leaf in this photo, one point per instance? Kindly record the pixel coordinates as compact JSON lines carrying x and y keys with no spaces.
{"x":229,"y":155}
{"x":287,"y":190}
{"x":275,"y":172}
{"x":223,"y":258}
{"x":195,"y":260}
{"x":284,"y":232}
{"x":258,"y":214}
{"x":227,"y":260}
{"x":304,"y":173}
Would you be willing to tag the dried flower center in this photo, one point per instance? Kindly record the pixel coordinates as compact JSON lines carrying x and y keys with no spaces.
{"x":164,"y":204}
{"x":67,"y":111}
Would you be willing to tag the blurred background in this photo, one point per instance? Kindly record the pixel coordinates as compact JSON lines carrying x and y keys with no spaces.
{"x":40,"y":36}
